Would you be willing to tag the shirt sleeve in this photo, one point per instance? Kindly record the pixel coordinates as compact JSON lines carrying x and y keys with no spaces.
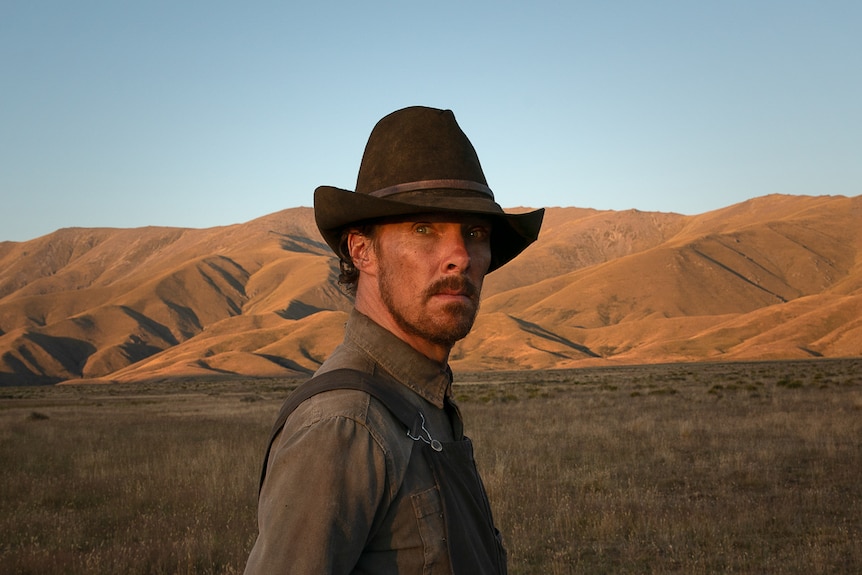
{"x":324,"y":487}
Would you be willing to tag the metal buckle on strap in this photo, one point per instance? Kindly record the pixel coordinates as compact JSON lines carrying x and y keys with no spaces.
{"x":415,"y":434}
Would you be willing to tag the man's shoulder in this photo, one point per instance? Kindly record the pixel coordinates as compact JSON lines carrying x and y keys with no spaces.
{"x":328,"y":410}
{"x":346,"y":403}
{"x":350,"y":403}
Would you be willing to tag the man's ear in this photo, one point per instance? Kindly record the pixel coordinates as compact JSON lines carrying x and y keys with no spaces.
{"x":361,"y":251}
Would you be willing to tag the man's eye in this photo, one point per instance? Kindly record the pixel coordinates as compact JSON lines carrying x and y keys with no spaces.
{"x":422,"y":229}
{"x":478,"y":233}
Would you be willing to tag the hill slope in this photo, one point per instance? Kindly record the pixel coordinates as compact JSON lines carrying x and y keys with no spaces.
{"x":773,"y":277}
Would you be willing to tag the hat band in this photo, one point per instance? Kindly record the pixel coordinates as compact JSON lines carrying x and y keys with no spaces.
{"x":433,"y":184}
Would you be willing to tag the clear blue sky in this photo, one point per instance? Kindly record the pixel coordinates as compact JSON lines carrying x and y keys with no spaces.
{"x":205,"y":113}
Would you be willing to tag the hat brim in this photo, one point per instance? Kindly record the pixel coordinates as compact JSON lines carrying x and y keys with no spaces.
{"x":335,"y":209}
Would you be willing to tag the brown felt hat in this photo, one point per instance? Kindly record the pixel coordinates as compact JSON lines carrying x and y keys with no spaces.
{"x":418,"y":161}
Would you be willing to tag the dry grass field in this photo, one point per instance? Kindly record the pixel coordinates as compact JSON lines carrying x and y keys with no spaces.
{"x":685,"y":468}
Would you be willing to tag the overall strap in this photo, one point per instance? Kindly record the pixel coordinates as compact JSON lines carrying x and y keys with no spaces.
{"x":383,"y":390}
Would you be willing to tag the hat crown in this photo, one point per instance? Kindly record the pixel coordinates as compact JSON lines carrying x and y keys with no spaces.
{"x":417,"y":144}
{"x":418,"y":161}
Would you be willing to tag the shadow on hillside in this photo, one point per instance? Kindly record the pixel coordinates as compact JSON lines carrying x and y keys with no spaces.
{"x":32,"y":367}
{"x":286,"y":363}
{"x":26,"y":380}
{"x":543,"y":333}
{"x":298,"y":310}
{"x":159,"y":330}
{"x":293,"y":243}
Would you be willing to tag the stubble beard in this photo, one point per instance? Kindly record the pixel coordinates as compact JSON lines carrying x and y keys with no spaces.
{"x":450,"y":325}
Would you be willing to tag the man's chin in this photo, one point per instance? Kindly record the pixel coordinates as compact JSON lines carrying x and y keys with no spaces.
{"x":445,"y":331}
{"x":458,"y":323}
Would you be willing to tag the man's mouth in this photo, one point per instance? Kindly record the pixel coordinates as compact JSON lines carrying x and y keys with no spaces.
{"x":452,"y":292}
{"x":455,"y":287}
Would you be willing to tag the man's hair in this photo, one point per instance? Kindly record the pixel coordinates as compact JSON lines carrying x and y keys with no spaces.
{"x":348,"y":277}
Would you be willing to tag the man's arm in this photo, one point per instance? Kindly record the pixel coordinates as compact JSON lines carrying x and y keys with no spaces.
{"x":322,"y":492}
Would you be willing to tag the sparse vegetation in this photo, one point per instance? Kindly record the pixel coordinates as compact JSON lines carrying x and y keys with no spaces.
{"x":710,"y":468}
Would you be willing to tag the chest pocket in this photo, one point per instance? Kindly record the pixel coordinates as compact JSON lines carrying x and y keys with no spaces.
{"x":432,"y":529}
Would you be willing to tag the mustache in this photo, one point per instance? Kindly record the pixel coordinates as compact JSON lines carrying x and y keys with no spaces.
{"x":454,"y":284}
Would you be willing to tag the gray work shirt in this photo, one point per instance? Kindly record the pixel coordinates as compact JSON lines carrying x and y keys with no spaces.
{"x":344,"y":492}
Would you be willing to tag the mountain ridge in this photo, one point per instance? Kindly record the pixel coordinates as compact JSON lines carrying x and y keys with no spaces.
{"x":774,"y":277}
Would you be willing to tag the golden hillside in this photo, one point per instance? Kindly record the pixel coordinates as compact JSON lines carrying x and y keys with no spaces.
{"x":774,"y":277}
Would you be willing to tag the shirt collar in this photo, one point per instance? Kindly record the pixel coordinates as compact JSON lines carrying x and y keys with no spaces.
{"x":426,"y":377}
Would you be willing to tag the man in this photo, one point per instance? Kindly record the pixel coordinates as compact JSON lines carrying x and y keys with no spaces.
{"x":368,"y":470}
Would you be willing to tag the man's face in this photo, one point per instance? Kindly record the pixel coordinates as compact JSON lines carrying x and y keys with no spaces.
{"x":430,"y":273}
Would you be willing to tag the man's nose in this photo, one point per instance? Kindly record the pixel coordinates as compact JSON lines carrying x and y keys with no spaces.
{"x":457,"y":256}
